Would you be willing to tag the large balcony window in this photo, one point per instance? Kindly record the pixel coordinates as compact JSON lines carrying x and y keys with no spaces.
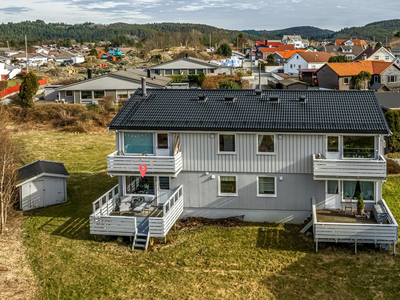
{"x":138,"y":143}
{"x":358,"y":147}
{"x":139,"y":185}
{"x":351,"y":189}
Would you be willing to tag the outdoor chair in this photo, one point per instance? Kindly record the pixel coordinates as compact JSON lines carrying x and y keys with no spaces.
{"x":348,"y":205}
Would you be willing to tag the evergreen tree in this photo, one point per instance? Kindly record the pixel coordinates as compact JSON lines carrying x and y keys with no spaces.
{"x":270,"y":60}
{"x":106,"y":48}
{"x":224,"y":50}
{"x":338,"y":59}
{"x":29,"y":87}
{"x":93,"y":52}
{"x":378,"y":45}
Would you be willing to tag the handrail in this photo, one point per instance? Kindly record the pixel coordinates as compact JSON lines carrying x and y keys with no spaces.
{"x":107,"y":199}
{"x":169,"y":201}
{"x":127,"y":155}
{"x":349,"y":159}
{"x":389,"y":212}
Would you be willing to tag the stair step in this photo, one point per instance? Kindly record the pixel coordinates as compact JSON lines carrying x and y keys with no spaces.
{"x":142,"y":234}
{"x":141,"y":240}
{"x":139,"y":245}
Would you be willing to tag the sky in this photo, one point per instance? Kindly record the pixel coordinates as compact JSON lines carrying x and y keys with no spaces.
{"x":228,"y":14}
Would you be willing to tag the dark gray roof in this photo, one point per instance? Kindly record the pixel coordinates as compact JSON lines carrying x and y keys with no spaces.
{"x":39,"y":167}
{"x":389,"y":100}
{"x":324,"y":111}
{"x":377,"y":85}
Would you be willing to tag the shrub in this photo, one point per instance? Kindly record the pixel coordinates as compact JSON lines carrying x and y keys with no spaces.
{"x":177,"y":78}
{"x":392,"y":166}
{"x":193,"y":77}
{"x":338,"y":59}
{"x":200,"y":79}
{"x":240,"y":73}
{"x":229,"y":85}
{"x":260,"y":62}
{"x":28,"y":89}
{"x":249,"y":72}
{"x":224,"y":50}
{"x":107,"y":102}
{"x":360,"y":204}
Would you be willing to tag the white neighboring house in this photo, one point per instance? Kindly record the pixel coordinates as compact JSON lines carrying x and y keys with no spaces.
{"x":33,"y":59}
{"x":373,"y":53}
{"x":397,"y":61}
{"x":8,"y":71}
{"x":42,"y":51}
{"x":5,"y":59}
{"x":295,"y":40}
{"x":305,"y":60}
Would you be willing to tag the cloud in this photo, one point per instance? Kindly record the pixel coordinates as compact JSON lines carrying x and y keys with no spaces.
{"x":13,"y":10}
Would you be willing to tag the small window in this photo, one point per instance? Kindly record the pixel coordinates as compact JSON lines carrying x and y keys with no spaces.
{"x":333,"y":144}
{"x":387,"y":57}
{"x":376,"y":57}
{"x":291,"y":66}
{"x":98,"y":94}
{"x":266,"y":144}
{"x":266,"y":187}
{"x":168,"y":72}
{"x":392,"y":79}
{"x":162,"y":140}
{"x":68,"y":93}
{"x":164,"y":183}
{"x":86,"y":94}
{"x":177,"y":72}
{"x":227,"y":143}
{"x":192,"y":71}
{"x":332,"y":187}
{"x":227,"y":186}
{"x":200,"y":71}
{"x":346,"y":80}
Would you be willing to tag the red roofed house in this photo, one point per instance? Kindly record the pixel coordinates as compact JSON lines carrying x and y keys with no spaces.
{"x":338,"y":76}
{"x":305,"y":60}
{"x":282,"y":56}
{"x":272,"y":43}
{"x":344,"y":42}
{"x":264,"y":52}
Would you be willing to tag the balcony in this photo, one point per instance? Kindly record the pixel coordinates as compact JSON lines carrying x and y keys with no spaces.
{"x":333,"y":169}
{"x":129,"y":164}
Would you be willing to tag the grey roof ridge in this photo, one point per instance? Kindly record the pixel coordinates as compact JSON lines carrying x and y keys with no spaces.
{"x":187,"y":58}
{"x":57,"y":162}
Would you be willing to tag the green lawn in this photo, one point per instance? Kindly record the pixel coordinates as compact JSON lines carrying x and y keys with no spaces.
{"x":256,"y":261}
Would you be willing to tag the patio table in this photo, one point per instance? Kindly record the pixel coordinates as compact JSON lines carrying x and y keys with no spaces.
{"x":140,"y":208}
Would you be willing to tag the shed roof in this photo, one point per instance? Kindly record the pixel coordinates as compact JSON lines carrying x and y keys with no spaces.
{"x":324,"y":111}
{"x":354,"y":68}
{"x":40,"y":167}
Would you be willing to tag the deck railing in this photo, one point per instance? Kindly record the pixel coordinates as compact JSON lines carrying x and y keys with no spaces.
{"x":172,"y":209}
{"x":107,"y":203}
{"x":155,"y":164}
{"x":356,"y":232}
{"x":349,"y":168}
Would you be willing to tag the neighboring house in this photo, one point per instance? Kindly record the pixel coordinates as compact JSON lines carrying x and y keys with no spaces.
{"x":8,"y":71}
{"x":42,"y":51}
{"x":397,"y":61}
{"x":351,"y":42}
{"x":69,"y":56}
{"x":185,"y":66}
{"x":379,"y":87}
{"x":33,"y":59}
{"x":395,"y":51}
{"x":268,"y":43}
{"x":308,"y":76}
{"x":296,"y":41}
{"x":5,"y":59}
{"x":389,"y":100}
{"x":120,"y":85}
{"x":269,"y":156}
{"x":282,"y":56}
{"x":338,"y":75}
{"x":351,"y":52}
{"x":305,"y":60}
{"x":375,"y":53}
{"x":264,"y":52}
{"x":43,"y":184}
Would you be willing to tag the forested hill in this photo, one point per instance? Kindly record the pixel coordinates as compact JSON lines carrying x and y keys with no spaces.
{"x":378,"y":30}
{"x":39,"y":30}
{"x":304,"y":31}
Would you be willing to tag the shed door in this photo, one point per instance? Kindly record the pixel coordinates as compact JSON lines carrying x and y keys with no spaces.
{"x":54,"y":192}
{"x":36,"y":193}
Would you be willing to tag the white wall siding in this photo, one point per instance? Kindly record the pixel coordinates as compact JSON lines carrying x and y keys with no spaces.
{"x":292,"y":154}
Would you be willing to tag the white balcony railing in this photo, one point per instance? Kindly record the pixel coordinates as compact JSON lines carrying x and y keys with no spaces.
{"x":349,"y":168}
{"x":121,"y":164}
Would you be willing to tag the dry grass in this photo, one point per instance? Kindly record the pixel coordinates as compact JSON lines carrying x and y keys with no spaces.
{"x":17,"y":280}
{"x":212,"y":82}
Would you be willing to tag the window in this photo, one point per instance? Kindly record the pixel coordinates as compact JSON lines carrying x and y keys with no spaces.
{"x":86,"y":94}
{"x":200,"y":71}
{"x":164,"y":183}
{"x":98,"y":94}
{"x":376,"y":57}
{"x":266,"y":187}
{"x":265,"y":144}
{"x":291,"y":66}
{"x":227,"y":186}
{"x":122,"y":94}
{"x":351,"y":189}
{"x":168,"y":72}
{"x":346,"y":80}
{"x":162,"y":140}
{"x":313,"y":67}
{"x":192,"y":71}
{"x":333,"y":144}
{"x":227,"y":143}
{"x":297,"y":57}
{"x":359,"y":146}
{"x":332,"y":187}
{"x":299,"y":66}
{"x":139,"y":185}
{"x":392,"y":79}
{"x":138,"y":142}
{"x":387,"y":57}
{"x":131,"y":92}
{"x":177,"y":72}
{"x":68,"y":93}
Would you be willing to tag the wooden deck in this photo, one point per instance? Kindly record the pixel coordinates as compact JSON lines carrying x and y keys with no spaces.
{"x":337,"y":216}
{"x":154,"y":211}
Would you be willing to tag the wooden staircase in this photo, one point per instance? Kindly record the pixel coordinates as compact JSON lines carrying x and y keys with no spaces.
{"x":308,"y":222}
{"x":141,"y":240}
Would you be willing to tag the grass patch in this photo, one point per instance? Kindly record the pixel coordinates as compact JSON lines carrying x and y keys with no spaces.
{"x":393,"y":155}
{"x":255,"y":261}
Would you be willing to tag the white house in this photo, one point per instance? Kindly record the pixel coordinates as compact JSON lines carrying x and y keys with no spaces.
{"x":295,"y":40}
{"x":8,"y":71}
{"x":376,"y":53}
{"x":270,"y":156}
{"x":305,"y":60}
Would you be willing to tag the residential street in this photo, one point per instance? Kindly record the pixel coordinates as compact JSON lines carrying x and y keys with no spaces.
{"x":254,"y":83}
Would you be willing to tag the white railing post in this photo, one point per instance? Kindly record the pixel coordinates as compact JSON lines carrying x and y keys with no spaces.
{"x":94,"y":207}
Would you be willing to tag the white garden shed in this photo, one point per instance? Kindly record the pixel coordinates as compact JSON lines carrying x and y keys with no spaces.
{"x":43,"y":184}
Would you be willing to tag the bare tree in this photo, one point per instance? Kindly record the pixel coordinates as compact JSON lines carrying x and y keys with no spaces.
{"x":8,"y":171}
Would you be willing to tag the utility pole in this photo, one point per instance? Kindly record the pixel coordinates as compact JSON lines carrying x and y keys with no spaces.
{"x":237,"y":44}
{"x":26,"y":55}
{"x":251,"y":57}
{"x":210,"y":41}
{"x":259,"y":75}
{"x":8,"y":46}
